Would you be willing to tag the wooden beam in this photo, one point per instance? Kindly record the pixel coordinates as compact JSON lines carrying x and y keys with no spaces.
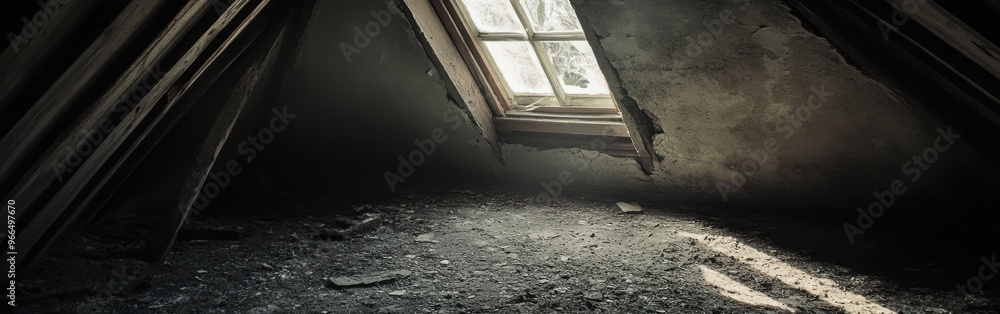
{"x":17,"y":65}
{"x":42,"y":228}
{"x":41,"y":177}
{"x":954,"y":32}
{"x":469,"y":47}
{"x":615,"y":117}
{"x":139,"y":154}
{"x":618,"y":147}
{"x":247,"y":91}
{"x":456,"y":72}
{"x":562,"y":126}
{"x":42,"y":118}
{"x":911,"y":51}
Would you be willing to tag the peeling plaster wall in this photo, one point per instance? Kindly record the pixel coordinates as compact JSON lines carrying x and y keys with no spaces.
{"x":721,"y":78}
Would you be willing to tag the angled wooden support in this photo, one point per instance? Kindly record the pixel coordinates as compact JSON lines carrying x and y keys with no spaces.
{"x":162,"y":122}
{"x":52,"y":169}
{"x":248,"y":91}
{"x":41,"y":119}
{"x":953,"y":31}
{"x":52,"y":218}
{"x":445,"y":54}
{"x":22,"y":59}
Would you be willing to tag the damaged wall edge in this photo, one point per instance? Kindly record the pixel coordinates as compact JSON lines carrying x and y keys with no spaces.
{"x":640,"y":125}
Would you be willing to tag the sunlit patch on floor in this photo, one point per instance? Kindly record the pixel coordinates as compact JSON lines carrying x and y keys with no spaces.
{"x":825,"y":289}
{"x":737,"y":291}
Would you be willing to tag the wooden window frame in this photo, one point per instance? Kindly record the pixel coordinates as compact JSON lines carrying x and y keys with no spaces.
{"x":462,"y":27}
{"x":442,"y":29}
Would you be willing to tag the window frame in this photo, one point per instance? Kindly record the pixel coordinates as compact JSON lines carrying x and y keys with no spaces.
{"x":438,"y":28}
{"x":506,"y":100}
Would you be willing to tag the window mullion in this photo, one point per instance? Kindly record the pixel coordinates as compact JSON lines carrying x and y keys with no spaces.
{"x":550,"y":71}
{"x":541,"y":52}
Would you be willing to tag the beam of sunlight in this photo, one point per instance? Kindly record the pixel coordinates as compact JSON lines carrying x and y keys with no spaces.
{"x":825,"y":289}
{"x":739,"y":292}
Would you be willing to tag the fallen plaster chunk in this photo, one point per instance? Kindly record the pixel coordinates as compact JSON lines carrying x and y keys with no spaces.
{"x":426,"y":238}
{"x":367,"y":279}
{"x":593,"y":296}
{"x":629,"y":208}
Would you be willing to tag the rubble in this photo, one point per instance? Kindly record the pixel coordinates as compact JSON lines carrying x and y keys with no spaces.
{"x":629,"y":208}
{"x":367,"y":279}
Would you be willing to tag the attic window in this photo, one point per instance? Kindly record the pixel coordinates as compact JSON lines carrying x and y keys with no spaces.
{"x":539,"y":54}
{"x":539,"y":78}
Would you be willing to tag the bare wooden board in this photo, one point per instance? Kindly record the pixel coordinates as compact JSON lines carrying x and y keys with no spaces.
{"x":17,"y":65}
{"x":40,"y":120}
{"x":245,"y":93}
{"x":573,"y":127}
{"x":956,"y":33}
{"x":456,"y":71}
{"x":42,"y":176}
{"x":39,"y":229}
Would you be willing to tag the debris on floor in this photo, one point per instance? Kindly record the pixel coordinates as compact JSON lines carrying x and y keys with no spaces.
{"x":496,"y":253}
{"x":367,"y":279}
{"x":629,"y":208}
{"x":426,"y":238}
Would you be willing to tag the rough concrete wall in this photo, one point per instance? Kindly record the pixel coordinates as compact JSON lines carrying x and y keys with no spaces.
{"x":725,"y":80}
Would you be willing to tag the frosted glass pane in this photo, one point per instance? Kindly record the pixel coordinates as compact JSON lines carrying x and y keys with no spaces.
{"x":493,"y":15}
{"x":520,"y":67}
{"x":577,"y":68}
{"x":551,"y":15}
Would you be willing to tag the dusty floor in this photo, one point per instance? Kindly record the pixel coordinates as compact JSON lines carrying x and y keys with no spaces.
{"x":466,"y":252}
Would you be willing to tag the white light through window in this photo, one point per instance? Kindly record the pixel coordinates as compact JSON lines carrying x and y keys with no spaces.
{"x":824,"y":289}
{"x":539,"y":51}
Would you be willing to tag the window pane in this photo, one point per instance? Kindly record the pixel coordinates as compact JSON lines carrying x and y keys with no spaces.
{"x":493,"y":16}
{"x":577,"y":68}
{"x":551,"y":15}
{"x":520,"y":67}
